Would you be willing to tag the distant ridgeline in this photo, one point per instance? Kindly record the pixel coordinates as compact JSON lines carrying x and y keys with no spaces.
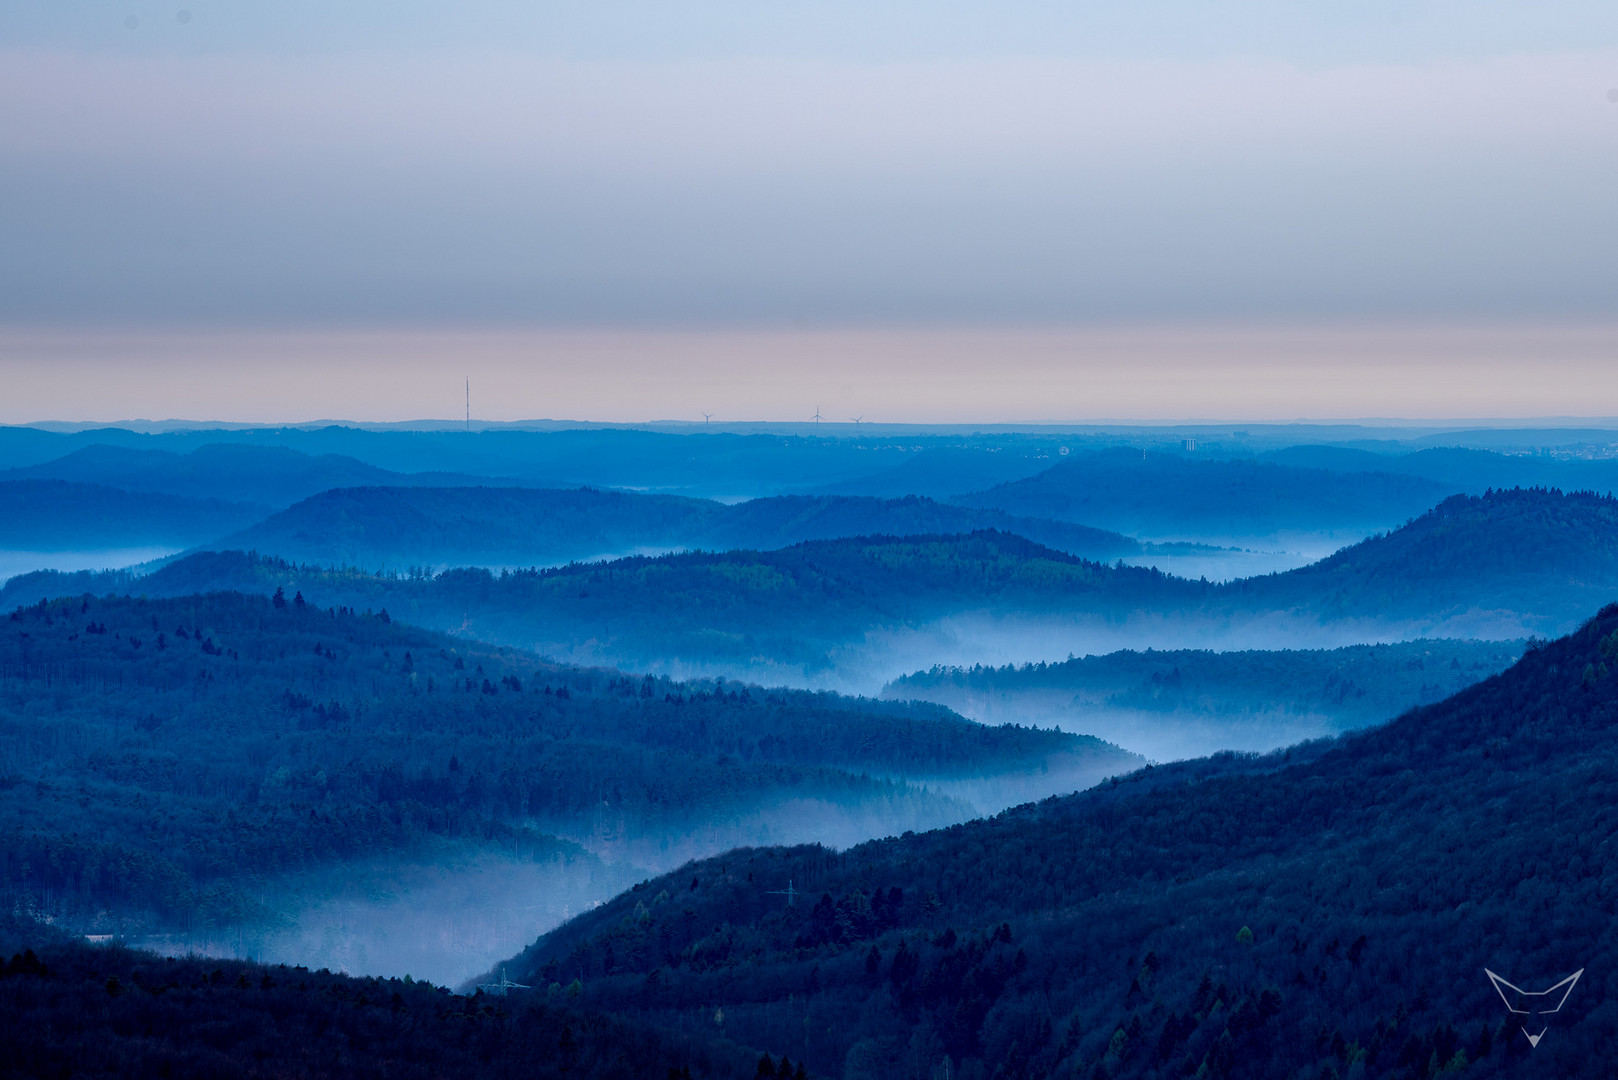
{"x":1328,"y":912}
{"x":400,"y":527}
{"x":1502,"y":566}
{"x":163,"y":758}
{"x":53,"y":515}
{"x":1354,"y":685}
{"x":1162,"y":494}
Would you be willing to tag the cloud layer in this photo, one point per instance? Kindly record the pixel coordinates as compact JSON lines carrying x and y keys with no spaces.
{"x":756,"y":177}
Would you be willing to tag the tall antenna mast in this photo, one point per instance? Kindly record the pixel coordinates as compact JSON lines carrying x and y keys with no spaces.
{"x":469,"y":405}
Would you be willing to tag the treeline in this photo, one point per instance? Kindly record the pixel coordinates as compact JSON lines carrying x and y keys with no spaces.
{"x":1504,"y":565}
{"x":158,"y":757}
{"x":1354,"y":685}
{"x":1168,"y":494}
{"x":1521,"y":550}
{"x":394,"y":527}
{"x":75,"y":1010}
{"x":788,"y":611}
{"x":1321,"y":912}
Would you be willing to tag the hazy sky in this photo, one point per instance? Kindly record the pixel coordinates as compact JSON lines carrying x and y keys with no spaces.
{"x":783,"y":165}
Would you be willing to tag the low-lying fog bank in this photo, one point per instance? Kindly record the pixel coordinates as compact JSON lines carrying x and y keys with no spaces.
{"x":442,"y":922}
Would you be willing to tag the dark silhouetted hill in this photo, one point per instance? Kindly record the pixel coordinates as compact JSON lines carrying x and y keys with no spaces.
{"x":167,"y":757}
{"x":1325,"y":911}
{"x":940,"y":472}
{"x":776,"y":616}
{"x":1534,"y":556}
{"x":1184,"y":703}
{"x":268,"y":476}
{"x":1167,"y":495}
{"x":74,"y":1010}
{"x":1501,"y":567}
{"x":377,"y":527}
{"x":1462,"y":470}
{"x":54,"y":515}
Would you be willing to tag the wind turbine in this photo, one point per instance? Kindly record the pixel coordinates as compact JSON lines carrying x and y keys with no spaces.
{"x":707,"y":416}
{"x":857,"y":420}
{"x":817,"y":417}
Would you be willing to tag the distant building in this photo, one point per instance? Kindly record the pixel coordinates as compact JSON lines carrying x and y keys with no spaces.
{"x":1188,"y":444}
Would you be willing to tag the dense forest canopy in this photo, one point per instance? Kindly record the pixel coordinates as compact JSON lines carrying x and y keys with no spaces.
{"x":1502,"y":566}
{"x":162,"y":757}
{"x":1182,"y":702}
{"x":774,"y":614}
{"x":1326,"y":911}
{"x":1357,"y":683}
{"x":67,"y":1009}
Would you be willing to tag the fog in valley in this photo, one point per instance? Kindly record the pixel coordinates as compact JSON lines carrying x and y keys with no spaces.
{"x":441,"y":921}
{"x":448,"y":919}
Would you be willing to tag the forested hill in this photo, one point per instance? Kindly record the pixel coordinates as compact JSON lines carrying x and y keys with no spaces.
{"x":1169,"y":495}
{"x":1187,"y":702}
{"x":1327,"y":915}
{"x":267,"y":476}
{"x":73,"y":1010}
{"x":1502,"y":566}
{"x":398,"y":527}
{"x":775,"y":614}
{"x":1530,"y":554}
{"x":1468,"y":471}
{"x":162,"y":754}
{"x":54,"y":515}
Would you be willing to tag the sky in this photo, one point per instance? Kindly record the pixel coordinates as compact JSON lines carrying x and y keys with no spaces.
{"x":278,"y":182}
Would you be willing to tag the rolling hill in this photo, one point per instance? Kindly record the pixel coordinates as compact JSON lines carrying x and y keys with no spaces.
{"x":1327,"y":911}
{"x":1170,"y":496}
{"x":55,"y":515}
{"x":171,"y":764}
{"x":854,"y":613}
{"x":1188,"y":703}
{"x":1322,"y":912}
{"x":266,"y":476}
{"x":1523,"y":559}
{"x":792,"y":615}
{"x":398,"y":527}
{"x":1462,"y":469}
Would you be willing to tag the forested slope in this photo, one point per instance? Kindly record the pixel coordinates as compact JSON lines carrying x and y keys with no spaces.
{"x":398,"y":527}
{"x":775,"y":614}
{"x":1528,"y":554}
{"x":70,"y":1010}
{"x":1158,"y":494}
{"x":1320,"y":913}
{"x":1502,"y":566}
{"x":54,"y":515}
{"x":163,"y":758}
{"x":266,"y":476}
{"x":1356,"y":684}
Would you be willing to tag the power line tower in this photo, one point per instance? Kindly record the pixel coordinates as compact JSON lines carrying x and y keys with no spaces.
{"x":498,"y":989}
{"x":789,"y":892}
